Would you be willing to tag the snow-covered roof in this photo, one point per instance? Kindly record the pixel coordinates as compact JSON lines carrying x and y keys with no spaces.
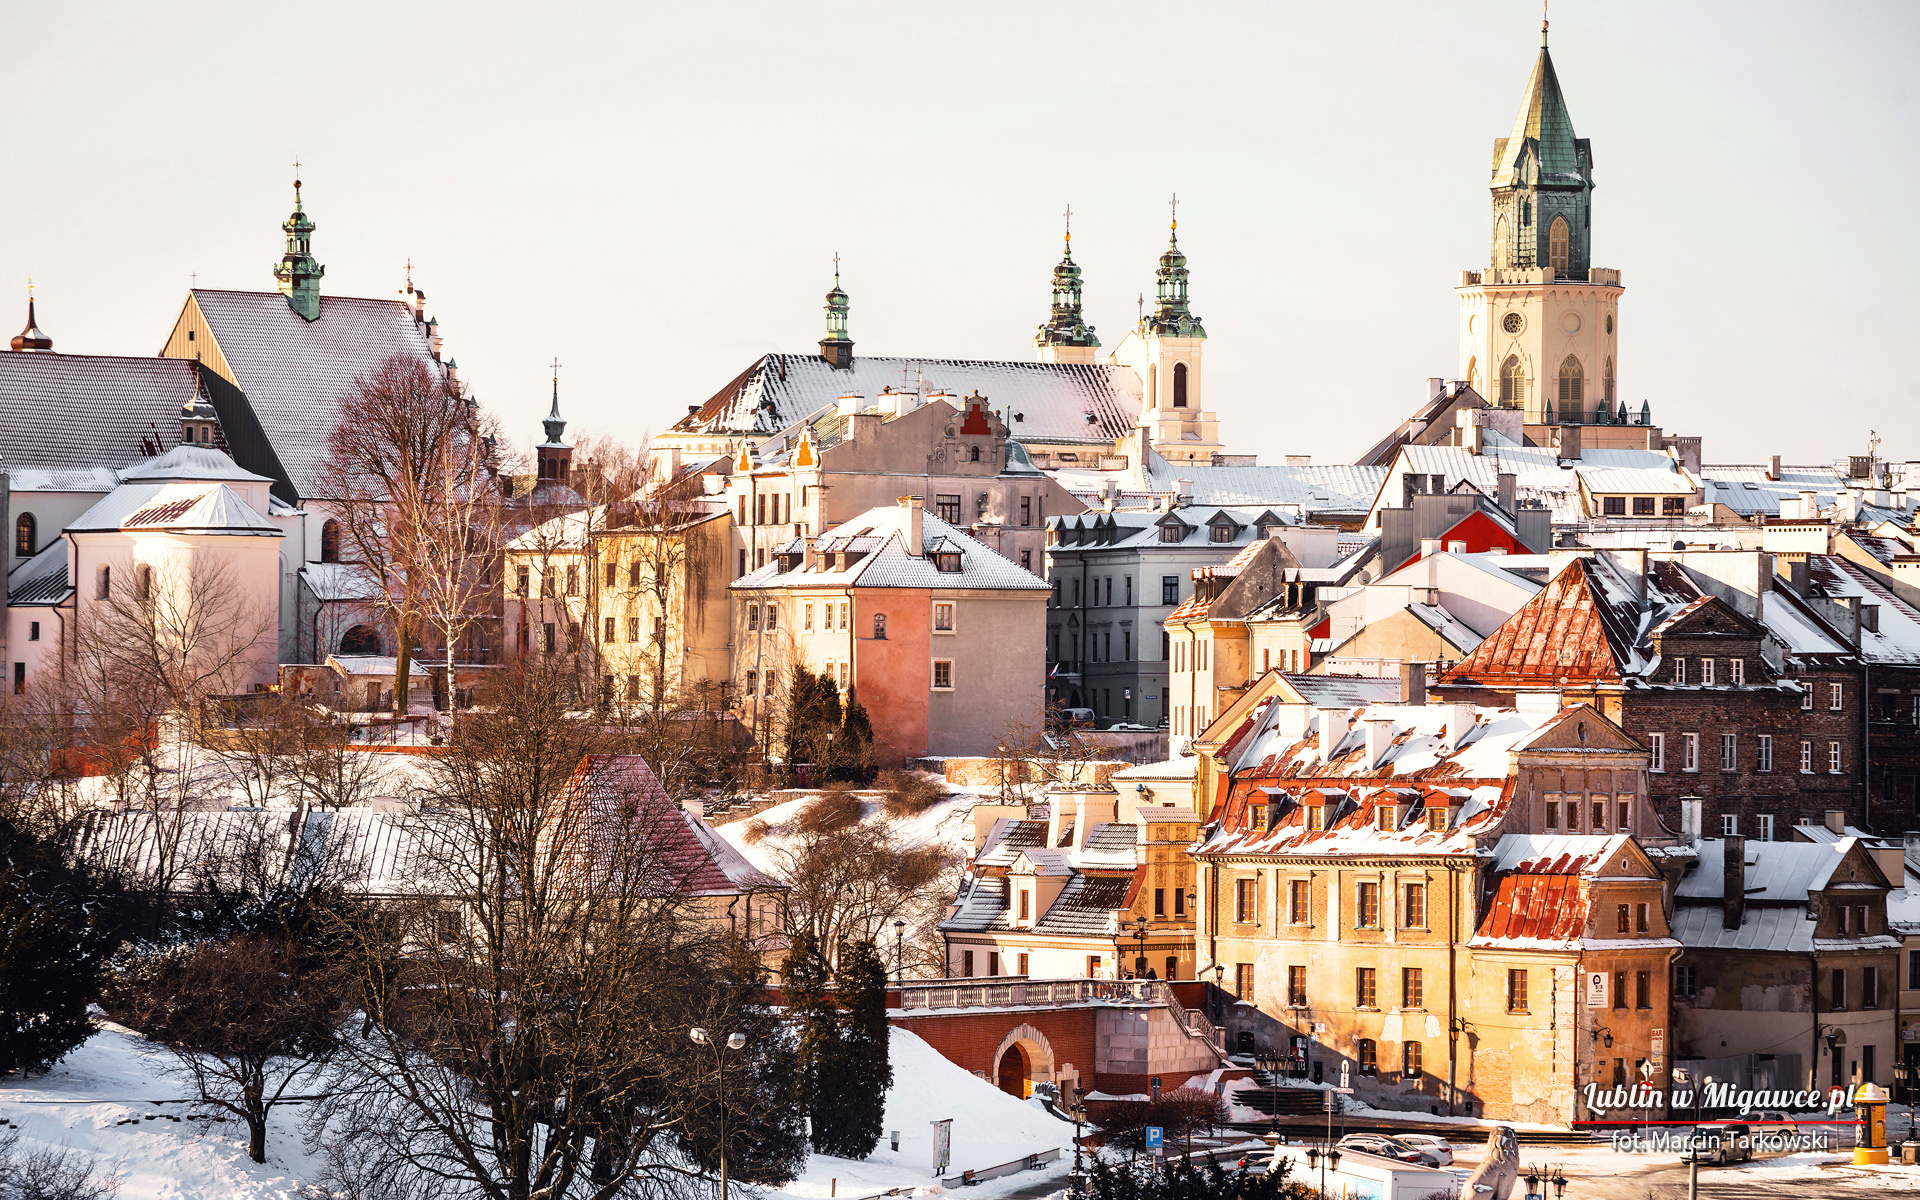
{"x":375,"y":665}
{"x":1776,"y":872}
{"x":1316,"y":489}
{"x":61,"y":479}
{"x":1749,"y":491}
{"x":41,"y":579}
{"x":90,"y":412}
{"x":1897,"y":639}
{"x":878,"y":536}
{"x":1540,"y":475}
{"x":338,"y":581}
{"x":1340,"y":691}
{"x":175,"y":508}
{"x":190,"y":463}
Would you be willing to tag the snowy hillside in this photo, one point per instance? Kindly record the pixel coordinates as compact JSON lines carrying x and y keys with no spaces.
{"x":947,"y":823}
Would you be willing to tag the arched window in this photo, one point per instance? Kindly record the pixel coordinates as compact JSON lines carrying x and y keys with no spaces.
{"x":1513,"y":382}
{"x":360,"y":640}
{"x":1179,"y":385}
{"x":1473,"y":374}
{"x":103,"y":583}
{"x":879,"y":627}
{"x":25,"y":533}
{"x":1500,"y":242}
{"x":1557,"y":247}
{"x":330,"y":541}
{"x":142,"y":582}
{"x":1606,"y":383}
{"x":973,"y":455}
{"x":1573,"y":383}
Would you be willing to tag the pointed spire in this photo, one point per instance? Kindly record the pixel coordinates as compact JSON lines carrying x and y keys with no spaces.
{"x":836,"y":347}
{"x":1171,"y":317}
{"x":1067,"y":325}
{"x":298,"y":271}
{"x":31,"y":338}
{"x":555,"y":424}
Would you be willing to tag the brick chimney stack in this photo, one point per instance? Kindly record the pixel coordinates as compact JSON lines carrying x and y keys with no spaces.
{"x":1733,"y":902}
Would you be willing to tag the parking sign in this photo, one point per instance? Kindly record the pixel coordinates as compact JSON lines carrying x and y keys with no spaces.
{"x":1156,"y":1137}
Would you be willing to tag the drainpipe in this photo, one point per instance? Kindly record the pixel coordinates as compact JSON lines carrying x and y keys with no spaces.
{"x":1453,"y":940}
{"x":1673,"y":1040}
{"x":1813,"y":997}
{"x":1866,"y":747}
{"x":853,"y":619}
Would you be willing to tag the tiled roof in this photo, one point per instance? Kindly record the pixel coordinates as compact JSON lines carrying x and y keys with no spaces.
{"x":1542,"y":125}
{"x":1342,"y":691}
{"x":90,"y":411}
{"x":1043,"y":402}
{"x":338,"y":581}
{"x":888,"y":565}
{"x":1087,"y":905}
{"x":1897,"y":640}
{"x":175,"y":507}
{"x":1007,"y":838}
{"x":295,"y":372}
{"x":1537,"y":911}
{"x":1316,"y":489}
{"x":678,"y":853}
{"x":41,"y":579}
{"x":1569,"y":632}
{"x":983,"y":908}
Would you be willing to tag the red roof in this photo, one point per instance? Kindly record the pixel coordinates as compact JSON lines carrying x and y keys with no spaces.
{"x":632,"y":827}
{"x":1536,"y":908}
{"x":1568,"y":633}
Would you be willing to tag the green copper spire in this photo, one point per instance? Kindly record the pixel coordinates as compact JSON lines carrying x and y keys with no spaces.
{"x":1067,"y":326}
{"x":298,"y":271}
{"x":1171,"y":317}
{"x":1541,"y":174}
{"x":836,"y":347}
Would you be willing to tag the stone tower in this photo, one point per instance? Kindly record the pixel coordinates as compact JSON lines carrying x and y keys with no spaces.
{"x":298,"y":270}
{"x":1538,"y":325}
{"x":1066,"y":337}
{"x":555,"y":455}
{"x":1170,"y":407}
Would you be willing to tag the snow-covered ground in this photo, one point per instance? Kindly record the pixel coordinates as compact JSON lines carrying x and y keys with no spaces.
{"x":947,"y":823}
{"x":100,"y":1100}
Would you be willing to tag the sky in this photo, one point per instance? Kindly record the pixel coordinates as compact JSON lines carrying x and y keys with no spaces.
{"x":653,"y":193}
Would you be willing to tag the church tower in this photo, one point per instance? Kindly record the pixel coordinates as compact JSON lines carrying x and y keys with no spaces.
{"x":1168,"y":351}
{"x":298,"y":270}
{"x":837,"y":347}
{"x":1066,"y":337}
{"x":1538,"y":325}
{"x":555,"y":455}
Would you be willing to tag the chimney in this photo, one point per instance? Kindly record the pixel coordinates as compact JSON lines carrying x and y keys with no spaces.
{"x":1290,"y":721}
{"x":1333,"y":730}
{"x":1773,"y":467}
{"x":1413,"y":683}
{"x":1506,"y":492}
{"x":1183,"y":488}
{"x":1797,"y":576}
{"x":913,"y":530}
{"x":1429,"y":547}
{"x":1836,"y":820}
{"x":1379,"y":737}
{"x":1435,"y":386}
{"x":1460,"y":722}
{"x":693,"y":410}
{"x":1056,"y":815}
{"x":850,"y":403}
{"x":1690,"y":819}
{"x":1809,"y":505}
{"x":1733,"y":898}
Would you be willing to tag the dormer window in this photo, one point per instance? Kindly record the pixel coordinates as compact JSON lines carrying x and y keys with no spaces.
{"x":1437,"y":819}
{"x":1384,"y":819}
{"x":1317,"y":816}
{"x":947,"y":562}
{"x":1222,"y":531}
{"x":1173,"y":531}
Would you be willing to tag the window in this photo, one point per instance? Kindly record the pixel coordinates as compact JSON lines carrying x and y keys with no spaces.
{"x":942,"y":617}
{"x":1643,"y":989}
{"x":1913,"y":969}
{"x":1296,"y":986}
{"x":633,"y":629}
{"x":1623,"y":919}
{"x":1513,"y":382}
{"x":1686,"y":980}
{"x":879,"y":627}
{"x":1643,"y":506}
{"x":103,"y":583}
{"x":1364,"y":1056}
{"x":1729,"y":756}
{"x":1679,"y":670}
{"x":1026,"y":901}
{"x":1763,"y":750}
{"x":993,"y":963}
{"x":1670,"y":506}
{"x":942,"y":675}
{"x":633,"y":687}
{"x":606,"y":629}
{"x":1169,"y":589}
{"x":1834,"y":694}
{"x":613,"y":574}
{"x":1243,"y":981}
{"x":1159,"y":902}
{"x":1300,"y":904}
{"x":1838,"y":997}
{"x":973,"y":454}
{"x":1642,"y":918}
{"x":1026,"y":560}
{"x":520,"y":580}
{"x":1833,"y":757}
{"x":1729,"y":824}
{"x":1806,"y":758}
{"x":19,"y":679}
{"x":1367,"y":911}
{"x":1244,"y":901}
{"x":1516,"y":991}
{"x":1179,"y":385}
{"x":1128,"y":598}
{"x":769,"y":682}
{"x":1109,"y":600}
{"x":1766,"y":827}
{"x":773,"y":616}
{"x":1619,"y":990}
{"x":1613,"y":506}
{"x":947,"y":508}
{"x":1026,"y":510}
{"x":633,"y":573}
{"x":329,"y":540}
{"x":1806,"y":699}
{"x":1622,"y":810}
{"x":1573,"y":814}
{"x":546,"y":637}
{"x":1093,"y":966}
{"x":1179,"y":903}
{"x":1409,"y":1061}
{"x":1557,"y":249}
{"x":1413,"y":907}
{"x":1259,"y":816}
{"x":741,"y":569}
{"x":1706,"y":672}
{"x":806,"y":617}
{"x":1860,"y":912}
{"x":753,"y":616}
{"x":1552,"y":820}
{"x":1363,"y":988}
{"x":1023,"y":965}
{"x":1657,"y":742}
{"x":1599,"y":813}
{"x":753,"y":685}
{"x":1221,"y":533}
{"x":33,"y":631}
{"x":1412,"y":988}
{"x":846,"y":609}
{"x":1737,"y":672}
{"x":573,"y":580}
{"x":1689,"y":752}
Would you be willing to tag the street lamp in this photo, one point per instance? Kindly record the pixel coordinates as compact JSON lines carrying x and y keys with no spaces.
{"x":1140,"y":936}
{"x":1323,"y":1159}
{"x":1078,"y":1111}
{"x":734,"y":1041}
{"x":899,"y":951}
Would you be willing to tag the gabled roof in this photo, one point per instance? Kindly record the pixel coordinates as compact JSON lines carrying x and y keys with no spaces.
{"x":41,"y":579}
{"x":1897,"y":640}
{"x":886,"y":563}
{"x":1776,"y":872}
{"x":1569,"y":632}
{"x":1043,"y":402}
{"x":1338,"y":691}
{"x":174,"y":508}
{"x":188,"y":462}
{"x":295,"y":372}
{"x":89,"y":411}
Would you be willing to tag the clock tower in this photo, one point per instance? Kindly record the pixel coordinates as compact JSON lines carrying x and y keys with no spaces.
{"x":1538,"y":325}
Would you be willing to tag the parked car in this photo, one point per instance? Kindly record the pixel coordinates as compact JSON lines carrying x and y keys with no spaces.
{"x":1387,"y":1147}
{"x":1439,"y":1147}
{"x":1075,"y":718}
{"x":1720,"y":1144}
{"x":1774,"y":1121}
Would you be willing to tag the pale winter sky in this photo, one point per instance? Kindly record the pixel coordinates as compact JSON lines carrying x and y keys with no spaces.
{"x":654,"y":192}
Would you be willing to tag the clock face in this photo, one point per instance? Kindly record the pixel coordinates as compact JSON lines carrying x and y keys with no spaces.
{"x":1513,"y":322}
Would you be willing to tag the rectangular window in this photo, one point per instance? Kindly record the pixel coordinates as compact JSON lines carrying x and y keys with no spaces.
{"x":1300,"y":903}
{"x":633,"y":629}
{"x":1706,"y":672}
{"x":1860,"y":918}
{"x":1179,"y":902}
{"x":1837,"y":998}
{"x":1729,"y":824}
{"x":1128,"y":598}
{"x":1737,"y":672}
{"x":1834,"y":693}
{"x":1023,"y":966}
{"x":1806,"y":758}
{"x":1413,"y":907}
{"x":1763,"y":752}
{"x":1613,"y":506}
{"x":1833,"y":757}
{"x":546,"y":582}
{"x":773,"y":616}
{"x":1869,"y":987}
{"x":1619,"y":991}
{"x":1729,"y":757}
{"x":1026,"y":560}
{"x":573,"y":580}
{"x":1643,"y":506}
{"x":1243,"y":901}
{"x":1026,"y":905}
{"x":1552,"y":819}
{"x":1516,"y":991}
{"x":1409,"y":1061}
{"x":1658,"y":744}
{"x":753,"y":617}
{"x":943,"y":617}
{"x":1679,"y":670}
{"x":1642,"y":918}
{"x":1363,"y":988}
{"x":1026,"y":511}
{"x":546,"y":637}
{"x":633,"y":687}
{"x":947,"y":508}
{"x":1689,"y":752}
{"x":33,"y":631}
{"x":520,"y":580}
{"x":1598,"y":810}
{"x":1412,"y":988}
{"x":966,"y":956}
{"x":806,"y":617}
{"x":769,"y":682}
{"x":1243,"y":981}
{"x":753,"y":683}
{"x":1766,"y":827}
{"x":1296,"y":986}
{"x":633,"y":573}
{"x":1573,"y":815}
{"x":1367,"y":911}
{"x":993,"y":963}
{"x":942,"y":675}
{"x":1643,"y":989}
{"x":1623,"y":919}
{"x":741,"y":569}
{"x":1169,"y":589}
{"x":1366,"y":1057}
{"x":1913,"y":969}
{"x":606,"y":629}
{"x":1159,"y":902}
{"x":1673,"y":506}
{"x":613,"y":574}
{"x":1685,"y":981}
{"x":1093,"y":966}
{"x":1622,"y":809}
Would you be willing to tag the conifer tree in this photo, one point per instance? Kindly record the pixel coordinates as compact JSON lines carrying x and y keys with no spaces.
{"x":852,"y":751}
{"x":864,"y":1074}
{"x":816,"y":1032}
{"x":58,"y":926}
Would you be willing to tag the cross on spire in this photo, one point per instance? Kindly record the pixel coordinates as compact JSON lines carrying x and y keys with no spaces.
{"x":1174,"y":207}
{"x":1069,"y":222}
{"x":836,"y":268}
{"x":556,"y":370}
{"x":29,"y":287}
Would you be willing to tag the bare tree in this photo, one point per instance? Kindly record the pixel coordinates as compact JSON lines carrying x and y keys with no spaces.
{"x":50,"y":1174}
{"x":411,"y":476}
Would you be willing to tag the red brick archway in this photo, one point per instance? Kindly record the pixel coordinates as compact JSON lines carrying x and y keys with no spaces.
{"x":1013,"y":1074}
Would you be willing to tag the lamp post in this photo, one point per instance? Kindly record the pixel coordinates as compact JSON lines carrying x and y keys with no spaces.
{"x":1323,"y":1159}
{"x":1078,"y":1110}
{"x":733,"y":1041}
{"x":1140,"y":958}
{"x":900,"y":951}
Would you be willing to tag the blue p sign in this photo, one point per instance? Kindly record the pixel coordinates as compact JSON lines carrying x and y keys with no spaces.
{"x":1156,"y":1137}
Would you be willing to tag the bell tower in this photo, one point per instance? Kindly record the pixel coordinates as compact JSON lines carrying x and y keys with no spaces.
{"x":1066,"y":337}
{"x":837,"y":347}
{"x":298,"y":270}
{"x":554,"y":457}
{"x":1170,"y":405}
{"x":1538,"y":326}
